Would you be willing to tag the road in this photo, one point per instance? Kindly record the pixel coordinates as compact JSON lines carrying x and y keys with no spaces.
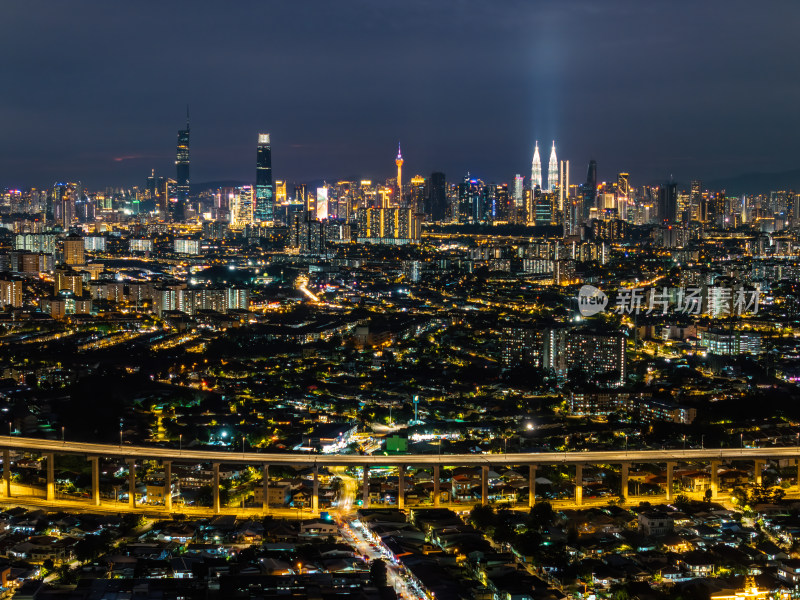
{"x":331,"y":460}
{"x":346,"y":499}
{"x":147,"y":510}
{"x":355,"y":535}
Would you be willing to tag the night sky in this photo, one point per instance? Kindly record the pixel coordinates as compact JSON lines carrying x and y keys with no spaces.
{"x":96,"y":90}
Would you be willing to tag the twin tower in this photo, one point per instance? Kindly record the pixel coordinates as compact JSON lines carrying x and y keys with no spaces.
{"x":552,"y":170}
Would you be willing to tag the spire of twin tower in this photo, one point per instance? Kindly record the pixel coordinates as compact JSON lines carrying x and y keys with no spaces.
{"x":552,"y":169}
{"x":536,"y":169}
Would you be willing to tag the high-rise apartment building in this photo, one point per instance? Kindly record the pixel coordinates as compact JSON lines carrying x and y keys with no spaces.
{"x":69,"y":280}
{"x":264,"y":209}
{"x":598,"y":354}
{"x":73,"y":250}
{"x":10,"y":292}
{"x":388,"y":226}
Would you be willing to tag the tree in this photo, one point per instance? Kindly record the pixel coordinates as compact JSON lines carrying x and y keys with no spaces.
{"x":67,"y":575}
{"x":482,"y":516}
{"x":92,"y":546}
{"x":503,"y":533}
{"x":377,"y":573}
{"x":739,"y":495}
{"x":621,"y":593}
{"x":541,"y":516}
{"x":205,"y":496}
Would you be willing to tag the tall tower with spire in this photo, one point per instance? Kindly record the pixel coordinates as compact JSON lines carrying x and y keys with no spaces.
{"x":552,"y":170}
{"x":399,"y":162}
{"x":536,"y":169}
{"x":182,"y":173}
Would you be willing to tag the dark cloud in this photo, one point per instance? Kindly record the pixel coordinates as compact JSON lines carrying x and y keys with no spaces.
{"x":96,"y":90}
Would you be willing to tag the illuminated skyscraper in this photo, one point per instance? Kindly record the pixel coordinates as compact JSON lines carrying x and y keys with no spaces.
{"x":280,"y":191}
{"x":668,"y":203}
{"x":563,"y":185}
{"x":552,"y":170}
{"x":697,"y":206}
{"x":415,"y":199}
{"x":322,"y":203}
{"x":264,"y":209}
{"x":623,"y":195}
{"x":519,"y":182}
{"x":437,"y":197}
{"x":300,"y":193}
{"x":182,"y":173}
{"x":536,"y":169}
{"x":241,"y":207}
{"x":63,"y":199}
{"x":589,"y":191}
{"x":399,"y":162}
{"x":151,"y":185}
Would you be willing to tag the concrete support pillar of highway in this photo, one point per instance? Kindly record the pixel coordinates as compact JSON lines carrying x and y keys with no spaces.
{"x":485,"y":484}
{"x":50,"y":459}
{"x":95,"y":464}
{"x":670,"y":477}
{"x":215,"y":486}
{"x":401,"y":487}
{"x":437,"y":480}
{"x":578,"y":484}
{"x":365,"y":487}
{"x":714,"y":478}
{"x":167,"y":484}
{"x":315,"y":492}
{"x":265,"y":488}
{"x":132,"y":482}
{"x":531,"y":486}
{"x":7,"y":471}
{"x":758,"y":470}
{"x":798,"y":473}
{"x":623,"y":474}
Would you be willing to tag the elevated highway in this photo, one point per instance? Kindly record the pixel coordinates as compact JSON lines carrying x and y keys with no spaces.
{"x":534,"y":458}
{"x":714,"y":457}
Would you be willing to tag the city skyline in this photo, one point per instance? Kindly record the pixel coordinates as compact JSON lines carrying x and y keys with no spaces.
{"x":464,"y":369}
{"x":548,"y":81}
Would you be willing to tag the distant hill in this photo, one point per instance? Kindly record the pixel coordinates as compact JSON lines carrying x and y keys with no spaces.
{"x":747,"y":183}
{"x":756,"y":183}
{"x":213,"y":185}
